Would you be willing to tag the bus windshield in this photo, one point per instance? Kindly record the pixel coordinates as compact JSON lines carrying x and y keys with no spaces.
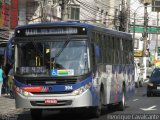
{"x":55,"y":58}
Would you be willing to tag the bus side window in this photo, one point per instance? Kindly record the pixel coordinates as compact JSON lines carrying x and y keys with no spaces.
{"x":93,"y":57}
{"x":93,"y":53}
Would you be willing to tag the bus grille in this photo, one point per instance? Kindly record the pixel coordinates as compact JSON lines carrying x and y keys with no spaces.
{"x":59,"y":103}
{"x":44,"y":93}
{"x":51,"y":82}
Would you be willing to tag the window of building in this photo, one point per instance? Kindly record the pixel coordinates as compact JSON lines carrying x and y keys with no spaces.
{"x":74,"y":12}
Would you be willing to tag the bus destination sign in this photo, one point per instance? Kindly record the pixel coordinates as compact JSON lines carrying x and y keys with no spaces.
{"x":50,"y":31}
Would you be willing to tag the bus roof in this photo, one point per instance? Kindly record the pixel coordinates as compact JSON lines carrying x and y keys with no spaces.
{"x":76,"y":23}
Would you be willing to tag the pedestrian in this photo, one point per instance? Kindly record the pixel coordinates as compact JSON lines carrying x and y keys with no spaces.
{"x":10,"y":81}
{"x":5,"y":83}
{"x":1,"y":80}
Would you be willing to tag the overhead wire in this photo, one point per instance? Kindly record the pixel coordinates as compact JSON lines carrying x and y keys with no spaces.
{"x":135,"y":1}
{"x":91,"y":9}
{"x":135,"y":5}
{"x":91,"y":17}
{"x":106,"y":5}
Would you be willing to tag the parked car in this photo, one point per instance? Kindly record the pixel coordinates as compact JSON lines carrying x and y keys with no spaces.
{"x":149,"y":71}
{"x":153,"y":86}
{"x":138,"y":76}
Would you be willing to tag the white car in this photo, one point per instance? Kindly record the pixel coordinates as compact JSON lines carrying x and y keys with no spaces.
{"x":138,"y":76}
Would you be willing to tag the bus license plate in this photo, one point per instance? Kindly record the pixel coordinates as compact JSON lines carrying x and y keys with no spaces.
{"x":50,"y":101}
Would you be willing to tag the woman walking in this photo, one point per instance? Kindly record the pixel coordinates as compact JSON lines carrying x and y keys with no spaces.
{"x":1,"y":80}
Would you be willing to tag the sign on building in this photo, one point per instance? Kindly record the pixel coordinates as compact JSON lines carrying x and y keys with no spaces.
{"x":5,"y":14}
{"x":14,"y":13}
{"x":8,"y":14}
{"x":138,"y":53}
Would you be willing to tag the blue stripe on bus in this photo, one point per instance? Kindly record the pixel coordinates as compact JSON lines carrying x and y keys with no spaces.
{"x":19,"y":84}
{"x":95,"y":96}
{"x":56,"y":88}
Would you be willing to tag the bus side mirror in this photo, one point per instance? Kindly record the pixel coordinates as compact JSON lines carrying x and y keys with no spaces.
{"x":9,"y":52}
{"x":93,"y":57}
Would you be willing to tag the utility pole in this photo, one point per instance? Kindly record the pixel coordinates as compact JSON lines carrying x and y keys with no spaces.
{"x":123,"y":17}
{"x":156,"y":47}
{"x":145,"y":35}
{"x":128,"y":14}
{"x":42,"y":3}
{"x":64,"y":9}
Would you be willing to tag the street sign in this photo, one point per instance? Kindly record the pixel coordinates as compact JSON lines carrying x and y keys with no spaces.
{"x":141,"y":29}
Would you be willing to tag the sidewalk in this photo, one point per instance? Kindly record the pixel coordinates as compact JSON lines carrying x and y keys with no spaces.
{"x":7,"y":106}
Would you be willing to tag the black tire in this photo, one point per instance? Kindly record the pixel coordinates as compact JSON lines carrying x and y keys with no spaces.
{"x":122,"y":104}
{"x":36,"y":114}
{"x":98,"y":110}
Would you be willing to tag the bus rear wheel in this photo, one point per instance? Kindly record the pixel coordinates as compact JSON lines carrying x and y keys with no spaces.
{"x":122,"y":103}
{"x":36,"y":114}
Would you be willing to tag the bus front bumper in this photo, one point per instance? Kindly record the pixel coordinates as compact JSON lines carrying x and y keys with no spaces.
{"x":55,"y":101}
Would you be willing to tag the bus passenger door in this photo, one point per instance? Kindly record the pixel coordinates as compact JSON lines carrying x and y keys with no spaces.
{"x":109,"y":83}
{"x":96,"y":74}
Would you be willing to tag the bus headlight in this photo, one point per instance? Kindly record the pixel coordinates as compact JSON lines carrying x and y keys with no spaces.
{"x":82,"y":89}
{"x":22,"y":92}
{"x":25,"y":93}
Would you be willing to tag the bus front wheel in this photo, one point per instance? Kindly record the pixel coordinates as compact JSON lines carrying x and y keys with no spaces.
{"x":36,"y":114}
{"x":98,"y":110}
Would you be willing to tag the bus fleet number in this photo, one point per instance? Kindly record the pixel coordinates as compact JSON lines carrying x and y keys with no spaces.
{"x":68,"y":87}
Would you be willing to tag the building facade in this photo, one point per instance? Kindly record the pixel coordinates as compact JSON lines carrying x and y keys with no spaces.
{"x":96,"y":11}
{"x":110,"y":13}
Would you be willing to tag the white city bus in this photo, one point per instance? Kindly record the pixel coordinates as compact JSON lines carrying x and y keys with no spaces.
{"x":71,"y":65}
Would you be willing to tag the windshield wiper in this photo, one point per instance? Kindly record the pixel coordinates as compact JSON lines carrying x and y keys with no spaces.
{"x":59,"y":53}
{"x":64,"y":46}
